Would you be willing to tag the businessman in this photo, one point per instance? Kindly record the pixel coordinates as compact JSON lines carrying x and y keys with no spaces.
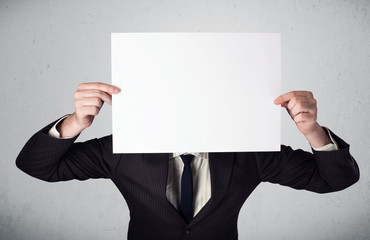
{"x":187,"y":195}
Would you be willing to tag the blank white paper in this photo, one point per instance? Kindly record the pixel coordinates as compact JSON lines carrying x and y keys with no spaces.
{"x":196,"y":92}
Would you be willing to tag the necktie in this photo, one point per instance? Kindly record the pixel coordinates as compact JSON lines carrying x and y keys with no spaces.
{"x":186,"y":204}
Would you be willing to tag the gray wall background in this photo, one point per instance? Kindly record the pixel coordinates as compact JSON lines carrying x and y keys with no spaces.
{"x":48,"y":47}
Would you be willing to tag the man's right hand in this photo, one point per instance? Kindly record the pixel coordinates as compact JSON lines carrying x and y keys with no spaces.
{"x":89,"y":99}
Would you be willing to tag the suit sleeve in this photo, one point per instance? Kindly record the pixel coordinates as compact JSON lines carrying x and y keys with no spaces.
{"x":52,"y":159}
{"x":320,"y":171}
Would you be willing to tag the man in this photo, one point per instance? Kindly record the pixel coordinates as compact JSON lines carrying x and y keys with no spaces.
{"x":156,"y":186}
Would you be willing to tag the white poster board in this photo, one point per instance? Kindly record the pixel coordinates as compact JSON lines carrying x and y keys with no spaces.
{"x":196,"y":92}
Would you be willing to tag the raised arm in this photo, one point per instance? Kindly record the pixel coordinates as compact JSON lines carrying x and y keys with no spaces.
{"x":59,"y":159}
{"x":329,"y":168}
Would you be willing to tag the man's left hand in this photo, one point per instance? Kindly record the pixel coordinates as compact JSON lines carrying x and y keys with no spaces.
{"x":301,"y":106}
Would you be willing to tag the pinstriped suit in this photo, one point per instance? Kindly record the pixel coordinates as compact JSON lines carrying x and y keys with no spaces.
{"x":142,"y":178}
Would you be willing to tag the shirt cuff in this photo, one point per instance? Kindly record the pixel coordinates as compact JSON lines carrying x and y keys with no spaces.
{"x":328,"y":147}
{"x":54,"y":132}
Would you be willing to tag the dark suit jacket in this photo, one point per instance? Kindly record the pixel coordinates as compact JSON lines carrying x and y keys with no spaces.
{"x":142,"y":179}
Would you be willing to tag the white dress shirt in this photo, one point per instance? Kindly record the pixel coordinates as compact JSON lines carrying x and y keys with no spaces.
{"x":200,"y":172}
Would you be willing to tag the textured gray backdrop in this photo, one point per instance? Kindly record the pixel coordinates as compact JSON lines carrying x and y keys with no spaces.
{"x":48,"y":47}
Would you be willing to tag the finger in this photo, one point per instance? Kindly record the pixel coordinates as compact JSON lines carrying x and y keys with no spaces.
{"x":287,"y":96}
{"x":304,"y":117}
{"x":94,"y":93}
{"x":88,"y":111}
{"x":297,"y":99}
{"x":285,"y":105}
{"x":100,"y":86}
{"x":90,"y":101}
{"x":301,"y":108}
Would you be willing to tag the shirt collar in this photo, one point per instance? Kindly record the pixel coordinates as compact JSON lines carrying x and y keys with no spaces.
{"x":197,"y":154}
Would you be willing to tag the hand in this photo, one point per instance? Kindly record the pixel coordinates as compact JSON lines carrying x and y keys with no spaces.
{"x":301,"y":106}
{"x":89,"y":99}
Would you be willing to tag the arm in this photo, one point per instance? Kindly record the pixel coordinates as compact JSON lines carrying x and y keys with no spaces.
{"x":59,"y":159}
{"x":320,"y":171}
{"x":330,"y":168}
{"x":52,"y":159}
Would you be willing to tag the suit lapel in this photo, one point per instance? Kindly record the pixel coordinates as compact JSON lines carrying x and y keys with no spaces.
{"x":157,"y":172}
{"x":221,"y":165}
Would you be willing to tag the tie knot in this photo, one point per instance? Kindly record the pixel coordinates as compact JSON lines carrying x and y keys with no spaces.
{"x":187,"y":159}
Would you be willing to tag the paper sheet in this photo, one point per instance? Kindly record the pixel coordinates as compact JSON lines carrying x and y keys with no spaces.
{"x":196,"y":92}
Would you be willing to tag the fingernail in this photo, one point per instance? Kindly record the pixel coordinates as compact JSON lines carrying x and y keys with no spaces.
{"x":116,"y":90}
